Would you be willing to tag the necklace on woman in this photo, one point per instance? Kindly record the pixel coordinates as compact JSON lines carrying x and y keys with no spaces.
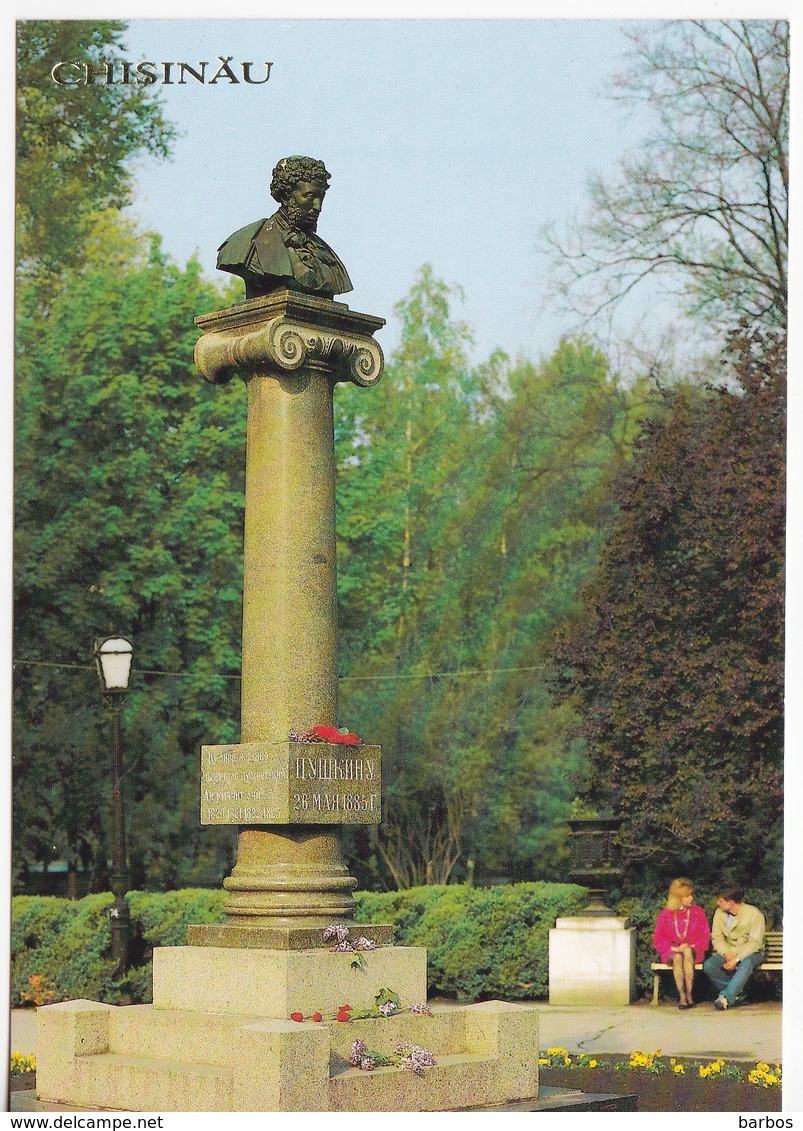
{"x":682,"y":934}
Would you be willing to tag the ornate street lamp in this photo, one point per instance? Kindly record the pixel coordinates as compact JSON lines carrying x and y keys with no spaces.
{"x":113,"y":659}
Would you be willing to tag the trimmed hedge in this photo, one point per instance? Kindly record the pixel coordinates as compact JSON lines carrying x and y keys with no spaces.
{"x":67,"y":943}
{"x":481,"y":942}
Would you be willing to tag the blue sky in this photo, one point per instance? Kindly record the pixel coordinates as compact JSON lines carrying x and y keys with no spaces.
{"x":448,"y":141}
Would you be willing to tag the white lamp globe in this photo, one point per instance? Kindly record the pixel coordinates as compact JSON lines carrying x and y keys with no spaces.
{"x":113,"y":657}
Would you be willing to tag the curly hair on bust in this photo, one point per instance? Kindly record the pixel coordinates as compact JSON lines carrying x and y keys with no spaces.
{"x":291,"y":170}
{"x":677,"y":889}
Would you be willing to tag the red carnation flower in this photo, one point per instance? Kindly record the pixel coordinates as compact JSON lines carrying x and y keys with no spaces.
{"x":296,"y":1016}
{"x":326,"y":734}
{"x":317,"y":1017}
{"x":332,"y":734}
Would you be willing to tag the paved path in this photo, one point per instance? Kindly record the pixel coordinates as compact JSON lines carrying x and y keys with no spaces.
{"x":23,"y":1031}
{"x":750,"y":1032}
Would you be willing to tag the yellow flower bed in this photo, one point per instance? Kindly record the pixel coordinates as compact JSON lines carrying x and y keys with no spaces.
{"x":20,"y":1064}
{"x":762,"y":1076}
{"x":765,"y":1077}
{"x":644,"y":1060}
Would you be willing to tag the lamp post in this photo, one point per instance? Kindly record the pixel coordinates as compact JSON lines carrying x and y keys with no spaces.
{"x":113,"y":659}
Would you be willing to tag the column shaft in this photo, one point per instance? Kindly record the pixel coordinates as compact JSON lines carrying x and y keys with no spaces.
{"x":296,"y":875}
{"x":289,"y":577}
{"x":290,"y":349}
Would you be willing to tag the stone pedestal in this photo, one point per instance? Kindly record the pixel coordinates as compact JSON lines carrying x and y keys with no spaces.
{"x":276,"y":983}
{"x":219,"y":1038}
{"x":592,"y":961}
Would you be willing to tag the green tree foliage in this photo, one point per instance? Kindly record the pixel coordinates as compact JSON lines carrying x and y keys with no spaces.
{"x":677,"y":668}
{"x":473,"y":504}
{"x":404,"y":451}
{"x":703,"y":205}
{"x":129,"y":520}
{"x":75,"y":143}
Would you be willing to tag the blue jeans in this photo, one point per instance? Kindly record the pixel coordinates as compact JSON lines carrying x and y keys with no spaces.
{"x":730,"y":983}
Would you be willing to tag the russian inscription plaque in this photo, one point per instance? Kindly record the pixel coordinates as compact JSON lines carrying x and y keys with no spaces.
{"x":277,"y":783}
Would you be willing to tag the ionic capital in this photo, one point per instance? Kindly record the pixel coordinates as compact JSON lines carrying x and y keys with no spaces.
{"x":284,"y":332}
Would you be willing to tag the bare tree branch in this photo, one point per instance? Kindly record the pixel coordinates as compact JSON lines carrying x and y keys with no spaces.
{"x":704,"y":206}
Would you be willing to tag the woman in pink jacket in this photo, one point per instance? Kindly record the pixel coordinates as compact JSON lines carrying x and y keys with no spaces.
{"x":682,"y":936}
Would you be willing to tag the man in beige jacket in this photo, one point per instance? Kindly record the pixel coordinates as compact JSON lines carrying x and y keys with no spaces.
{"x":737,"y":934}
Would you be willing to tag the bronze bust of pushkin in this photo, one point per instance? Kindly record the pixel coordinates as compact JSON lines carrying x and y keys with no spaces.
{"x":283,"y":250}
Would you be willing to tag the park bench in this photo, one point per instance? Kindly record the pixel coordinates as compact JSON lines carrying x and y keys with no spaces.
{"x":773,"y":961}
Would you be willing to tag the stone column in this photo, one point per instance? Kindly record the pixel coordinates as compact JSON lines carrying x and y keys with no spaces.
{"x":290,"y":349}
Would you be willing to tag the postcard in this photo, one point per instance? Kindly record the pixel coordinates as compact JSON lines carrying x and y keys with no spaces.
{"x":400,"y":527}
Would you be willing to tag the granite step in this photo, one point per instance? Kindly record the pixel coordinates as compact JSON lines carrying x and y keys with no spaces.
{"x":143,"y":1083}
{"x":165,"y":1034}
{"x":444,"y":1086}
{"x":219,"y":1038}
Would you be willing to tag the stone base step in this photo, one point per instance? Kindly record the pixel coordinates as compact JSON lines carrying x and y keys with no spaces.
{"x":441,"y":1088}
{"x":142,"y":1083}
{"x":276,"y":983}
{"x":139,"y":1058}
{"x":210,"y":1038}
{"x":163,"y":1034}
{"x":549,"y":1099}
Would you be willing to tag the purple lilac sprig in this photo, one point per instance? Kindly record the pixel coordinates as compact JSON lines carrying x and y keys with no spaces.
{"x":414,"y":1058}
{"x":341,"y":932}
{"x":363,"y":1057}
{"x":337,"y":931}
{"x":358,"y":1050}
